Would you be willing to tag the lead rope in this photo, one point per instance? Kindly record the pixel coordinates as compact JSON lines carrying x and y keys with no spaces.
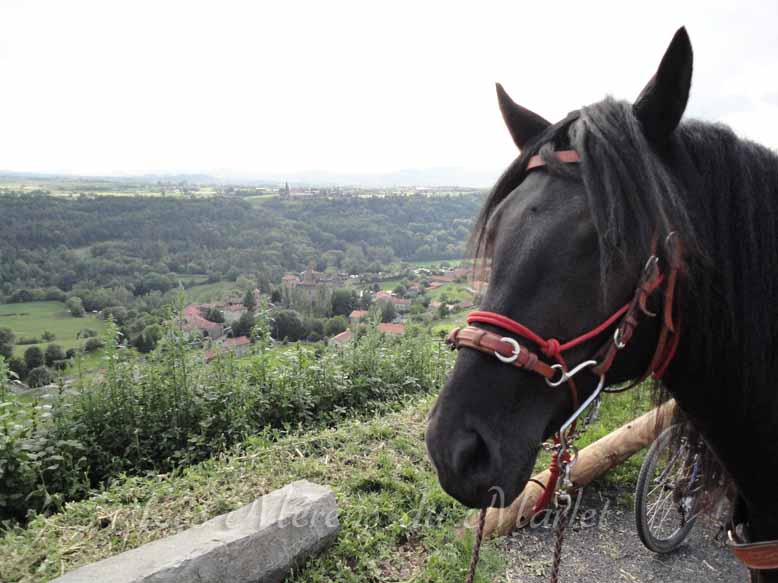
{"x":479,"y":537}
{"x":559,"y":534}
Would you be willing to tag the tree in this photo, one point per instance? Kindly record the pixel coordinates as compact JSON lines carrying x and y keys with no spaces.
{"x":33,"y":357}
{"x":54,"y":354}
{"x":388,"y":313}
{"x":288,"y":324}
{"x":343,"y":301}
{"x":7,"y":340}
{"x":48,"y":335}
{"x":147,"y":340}
{"x":249,"y":301}
{"x":335,"y":326}
{"x":39,"y":376}
{"x":214,"y":315}
{"x":117,"y":313}
{"x":243,"y":325}
{"x":314,"y":325}
{"x":400,"y":291}
{"x":76,"y":306}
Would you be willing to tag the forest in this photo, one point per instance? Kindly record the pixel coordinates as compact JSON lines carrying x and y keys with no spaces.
{"x":50,"y":246}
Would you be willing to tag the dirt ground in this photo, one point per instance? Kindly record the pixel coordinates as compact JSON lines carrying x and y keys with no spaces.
{"x":602,"y":545}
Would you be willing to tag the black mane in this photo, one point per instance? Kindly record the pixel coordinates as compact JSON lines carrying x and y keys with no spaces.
{"x":717,"y":191}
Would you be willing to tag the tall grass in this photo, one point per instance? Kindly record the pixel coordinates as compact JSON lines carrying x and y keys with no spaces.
{"x":172,"y":409}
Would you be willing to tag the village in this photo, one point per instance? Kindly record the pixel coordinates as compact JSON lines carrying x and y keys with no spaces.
{"x":388,"y":302}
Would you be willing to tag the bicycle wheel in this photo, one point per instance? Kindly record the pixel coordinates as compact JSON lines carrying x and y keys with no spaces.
{"x":665,"y":495}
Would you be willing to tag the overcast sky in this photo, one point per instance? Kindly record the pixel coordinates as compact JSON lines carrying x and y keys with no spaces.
{"x":245,"y":88}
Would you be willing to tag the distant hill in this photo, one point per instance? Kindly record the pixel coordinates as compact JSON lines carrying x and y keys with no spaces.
{"x":443,"y":176}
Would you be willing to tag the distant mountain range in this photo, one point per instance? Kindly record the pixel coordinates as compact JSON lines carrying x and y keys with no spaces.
{"x":443,"y":176}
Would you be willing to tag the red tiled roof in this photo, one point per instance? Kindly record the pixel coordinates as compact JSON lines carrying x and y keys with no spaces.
{"x":195,"y":319}
{"x":357,"y":314}
{"x":343,"y":337}
{"x":239,"y":341}
{"x":392,"y":328}
{"x":400,"y":302}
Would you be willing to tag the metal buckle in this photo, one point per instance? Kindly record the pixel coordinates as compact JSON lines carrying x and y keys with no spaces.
{"x":617,"y":334}
{"x":516,"y":351}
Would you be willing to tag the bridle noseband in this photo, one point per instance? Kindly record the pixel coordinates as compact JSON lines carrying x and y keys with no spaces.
{"x":511,"y":351}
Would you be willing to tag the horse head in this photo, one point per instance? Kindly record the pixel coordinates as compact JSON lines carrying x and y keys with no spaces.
{"x":562,"y":258}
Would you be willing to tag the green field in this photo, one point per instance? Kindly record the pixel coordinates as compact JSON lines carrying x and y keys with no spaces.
{"x":31,"y":319}
{"x":455,"y":292}
{"x":211,"y":292}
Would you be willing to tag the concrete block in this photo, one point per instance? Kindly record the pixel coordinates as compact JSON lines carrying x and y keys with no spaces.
{"x":258,"y":543}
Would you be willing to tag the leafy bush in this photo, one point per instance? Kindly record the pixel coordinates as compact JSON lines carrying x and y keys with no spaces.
{"x":39,"y":376}
{"x":53,"y":354}
{"x":93,"y":344}
{"x":33,"y":356}
{"x":38,"y":471}
{"x":172,"y":409}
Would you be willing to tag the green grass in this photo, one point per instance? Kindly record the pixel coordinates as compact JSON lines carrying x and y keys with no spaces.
{"x":443,"y":327}
{"x":390,"y":284}
{"x":187,"y":278}
{"x":397,"y":523}
{"x":31,"y":319}
{"x":454,"y":291}
{"x":211,"y":292}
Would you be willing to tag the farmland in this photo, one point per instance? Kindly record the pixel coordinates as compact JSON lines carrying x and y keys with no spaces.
{"x":32,"y":319}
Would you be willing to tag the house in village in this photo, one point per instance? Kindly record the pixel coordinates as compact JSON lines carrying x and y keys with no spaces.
{"x":238,"y":346}
{"x":395,"y":329}
{"x":309,"y":292}
{"x":402,"y":305}
{"x":195,"y":322}
{"x":343,"y":338}
{"x":356,"y":316}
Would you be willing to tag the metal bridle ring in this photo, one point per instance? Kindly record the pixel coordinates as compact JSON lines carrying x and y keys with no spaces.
{"x":516,"y":351}
{"x":650,"y":263}
{"x":562,"y":376}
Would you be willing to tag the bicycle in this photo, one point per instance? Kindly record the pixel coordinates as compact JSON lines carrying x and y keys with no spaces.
{"x":667,"y":495}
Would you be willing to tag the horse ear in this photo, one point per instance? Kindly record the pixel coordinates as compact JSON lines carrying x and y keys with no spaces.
{"x":523,"y":124}
{"x":662,"y":102}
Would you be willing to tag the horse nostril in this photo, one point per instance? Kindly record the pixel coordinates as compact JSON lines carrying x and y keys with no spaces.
{"x":471,"y":454}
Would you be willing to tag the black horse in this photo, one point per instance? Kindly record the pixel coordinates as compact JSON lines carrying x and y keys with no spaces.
{"x":567,"y":244}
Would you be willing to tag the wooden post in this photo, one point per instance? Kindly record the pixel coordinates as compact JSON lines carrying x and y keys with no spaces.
{"x":593,"y":461}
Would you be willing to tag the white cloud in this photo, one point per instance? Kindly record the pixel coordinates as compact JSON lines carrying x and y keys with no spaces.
{"x":249,"y":87}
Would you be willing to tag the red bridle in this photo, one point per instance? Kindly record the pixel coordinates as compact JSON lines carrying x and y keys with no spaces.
{"x":508,"y":350}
